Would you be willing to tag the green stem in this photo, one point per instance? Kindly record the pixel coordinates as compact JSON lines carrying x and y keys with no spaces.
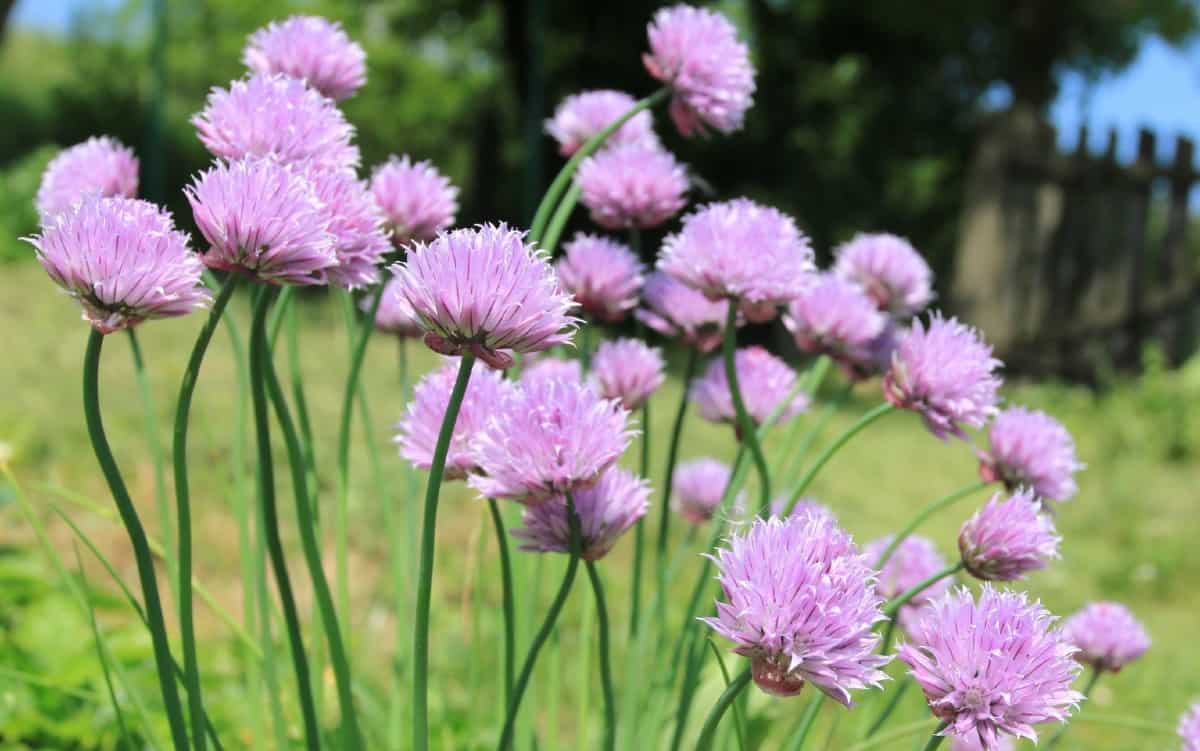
{"x":510,"y":649}
{"x":746,"y":429}
{"x":886,"y":739}
{"x":664,"y":519}
{"x":708,"y":730}
{"x":1087,"y":691}
{"x":585,"y":348}
{"x":935,"y":740}
{"x":606,"y":679}
{"x":559,"y":221}
{"x":806,"y":722}
{"x":738,"y":725}
{"x":894,"y":605}
{"x":832,"y":449}
{"x":639,"y":531}
{"x":137,"y":538}
{"x":420,"y":697}
{"x":893,"y":702}
{"x":922,"y":516}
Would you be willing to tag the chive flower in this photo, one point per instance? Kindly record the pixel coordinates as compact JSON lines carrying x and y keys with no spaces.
{"x":547,"y":366}
{"x":1008,"y":538}
{"x":697,"y":488}
{"x":678,"y":311}
{"x":417,"y":201}
{"x":1028,"y":448}
{"x":356,"y":224}
{"x":836,"y":318}
{"x":604,"y":276}
{"x":632,"y":185}
{"x":891,"y":271}
{"x":310,"y":48}
{"x":581,"y":116}
{"x":766,"y":383}
{"x":1108,"y":636}
{"x":1189,"y":728}
{"x":100,"y":167}
{"x":627,"y":370}
{"x":607,"y":509}
{"x":395,"y":315}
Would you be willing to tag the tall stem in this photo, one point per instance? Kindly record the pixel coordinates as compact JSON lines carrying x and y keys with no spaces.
{"x":606,"y":680}
{"x":832,"y":449}
{"x":664,"y":519}
{"x":922,"y":516}
{"x":639,"y":530}
{"x":893,"y":606}
{"x":585,"y":347}
{"x":806,"y":722}
{"x":554,"y":230}
{"x":708,"y":730}
{"x":746,"y":428}
{"x":936,"y":739}
{"x":506,"y":583}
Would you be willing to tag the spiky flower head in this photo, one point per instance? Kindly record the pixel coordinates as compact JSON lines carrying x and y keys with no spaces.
{"x":263,"y":219}
{"x":805,"y":506}
{"x":697,"y":488}
{"x":483,"y":290}
{"x":417,"y":431}
{"x":604,"y":276}
{"x":310,"y":48}
{"x":800,"y":603}
{"x":914,"y":560}
{"x":395,"y":315}
{"x":992,"y":667}
{"x":1189,"y":728}
{"x":99,"y":167}
{"x":583,"y":115}
{"x":891,"y":271}
{"x":606,"y":510}
{"x":279,"y":117}
{"x":741,"y":250}
{"x":697,"y":53}
{"x":1008,"y":538}
{"x":1109,"y":637}
{"x":123,"y":260}
{"x":1028,"y":448}
{"x":544,"y":366}
{"x":417,"y":201}
{"x":835,"y":317}
{"x":765,"y":381}
{"x":946,"y":373}
{"x":568,"y":436}
{"x":674,"y":309}
{"x":357,"y":227}
{"x":632,"y":185}
{"x":627,"y":370}
{"x":972,"y":743}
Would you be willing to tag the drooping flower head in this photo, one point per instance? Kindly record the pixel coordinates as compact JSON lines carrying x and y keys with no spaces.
{"x":741,"y":251}
{"x":992,"y":667}
{"x":417,"y":431}
{"x":545,"y":366}
{"x":674,"y":309}
{"x":583,"y":115}
{"x":395,"y":315}
{"x":417,"y":201}
{"x":483,"y":290}
{"x":891,"y":271}
{"x":914,"y":560}
{"x":632,"y":185}
{"x":357,"y":227}
{"x":627,"y":370}
{"x":547,"y":438}
{"x":123,"y":260}
{"x":946,"y":373}
{"x":765,"y":381}
{"x":1189,"y":728}
{"x":604,"y":276}
{"x":97,"y":168}
{"x":263,"y":219}
{"x":1031,"y":449}
{"x":835,"y":317}
{"x":606,"y":510}
{"x":310,"y":48}
{"x":1108,"y":636}
{"x":800,"y":603}
{"x":697,"y":53}
{"x":1008,"y":538}
{"x":276,"y":116}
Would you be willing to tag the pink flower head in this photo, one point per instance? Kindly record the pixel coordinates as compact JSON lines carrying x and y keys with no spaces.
{"x":418,"y":431}
{"x":698,"y":487}
{"x":547,"y":438}
{"x":891,"y":271}
{"x":801,"y":604}
{"x":805,"y":506}
{"x":310,"y":48}
{"x":914,"y":561}
{"x":697,"y":53}
{"x":674,"y":309}
{"x":945,"y":372}
{"x":1031,"y":449}
{"x":1108,"y":636}
{"x":546,"y":366}
{"x":1008,"y":538}
{"x":632,"y":185}
{"x":764,"y":380}
{"x":356,"y":225}
{"x":1189,"y":728}
{"x":627,"y":370}
{"x":742,"y":251}
{"x":123,"y":260}
{"x":992,"y":667}
{"x":483,"y":290}
{"x":276,"y":116}
{"x":417,"y":201}
{"x":972,"y":743}
{"x":264,"y":219}
{"x":606,"y":510}
{"x":604,"y":276}
{"x":581,"y":116}
{"x":98,"y":167}
{"x":835,"y":317}
{"x":395,"y":315}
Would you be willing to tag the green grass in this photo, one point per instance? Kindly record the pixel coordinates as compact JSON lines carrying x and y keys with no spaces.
{"x":1129,"y":535}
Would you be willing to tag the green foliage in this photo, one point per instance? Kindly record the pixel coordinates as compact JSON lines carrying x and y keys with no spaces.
{"x":18,"y":218}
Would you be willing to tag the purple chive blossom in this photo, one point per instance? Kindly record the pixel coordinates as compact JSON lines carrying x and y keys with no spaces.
{"x":418,"y":431}
{"x":123,"y":260}
{"x":98,"y":167}
{"x":568,"y":437}
{"x":395,"y":315}
{"x":674,"y":309}
{"x":743,"y":251}
{"x":1108,"y":636}
{"x":604,"y":276}
{"x":805,"y":506}
{"x":483,"y":290}
{"x":835,"y":317}
{"x":632,"y":185}
{"x":276,"y":116}
{"x":627,"y":370}
{"x":606,"y":510}
{"x":697,"y":53}
{"x":697,"y":488}
{"x":417,"y":201}
{"x":764,"y":380}
{"x":972,"y":743}
{"x":542,"y":367}
{"x":945,"y":372}
{"x":801,"y":604}
{"x":357,"y":227}
{"x":581,"y":116}
{"x":914,"y":561}
{"x":992,"y":667}
{"x":891,"y":271}
{"x":1189,"y":728}
{"x":264,"y":219}
{"x":1031,"y":449}
{"x":310,"y":48}
{"x":1008,"y":538}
